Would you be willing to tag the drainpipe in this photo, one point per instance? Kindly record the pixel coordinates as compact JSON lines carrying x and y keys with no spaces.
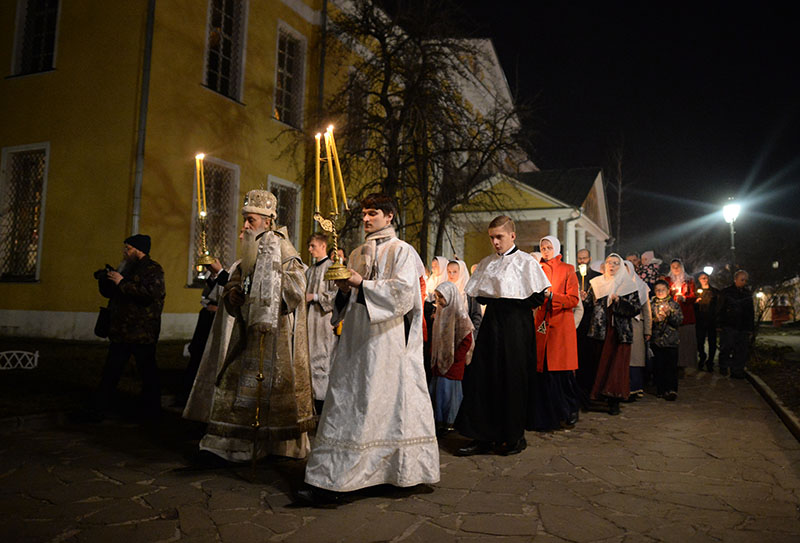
{"x":322,"y":49}
{"x":144,"y":95}
{"x":569,"y":233}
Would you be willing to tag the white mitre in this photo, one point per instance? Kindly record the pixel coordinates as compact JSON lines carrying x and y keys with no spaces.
{"x":516,"y":275}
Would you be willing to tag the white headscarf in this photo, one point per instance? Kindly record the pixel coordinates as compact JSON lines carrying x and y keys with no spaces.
{"x":677,"y":280}
{"x":463,"y":275}
{"x":435,"y":279}
{"x":619,"y":284}
{"x":555,"y":242}
{"x":641,"y":286}
{"x":451,"y":325}
{"x":649,"y":257}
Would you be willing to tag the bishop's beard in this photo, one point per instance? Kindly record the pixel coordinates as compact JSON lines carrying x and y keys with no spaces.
{"x":249,"y":252}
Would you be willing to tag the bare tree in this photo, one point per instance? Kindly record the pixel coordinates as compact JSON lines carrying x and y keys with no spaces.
{"x":409,"y":125}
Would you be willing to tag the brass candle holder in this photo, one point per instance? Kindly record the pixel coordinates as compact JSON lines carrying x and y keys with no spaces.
{"x":337,"y":271}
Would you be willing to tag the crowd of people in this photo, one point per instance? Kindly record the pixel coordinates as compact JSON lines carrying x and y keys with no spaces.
{"x":380,"y":365}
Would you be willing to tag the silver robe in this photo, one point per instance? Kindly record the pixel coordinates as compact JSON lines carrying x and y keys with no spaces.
{"x":284,"y":405}
{"x":377,"y":422}
{"x":321,"y":339}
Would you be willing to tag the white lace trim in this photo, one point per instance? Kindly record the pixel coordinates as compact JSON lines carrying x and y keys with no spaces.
{"x":392,"y":443}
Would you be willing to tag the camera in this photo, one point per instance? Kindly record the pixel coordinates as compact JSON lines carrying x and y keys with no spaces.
{"x":101,"y":273}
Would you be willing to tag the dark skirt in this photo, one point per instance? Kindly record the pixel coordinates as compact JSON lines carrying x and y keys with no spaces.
{"x":556,"y":399}
{"x":613,"y":368}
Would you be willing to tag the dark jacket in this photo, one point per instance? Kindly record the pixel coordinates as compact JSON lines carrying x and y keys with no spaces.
{"x":622,"y":312}
{"x":135,"y":304}
{"x":665,"y":332}
{"x":706,"y":306}
{"x":736,"y":309}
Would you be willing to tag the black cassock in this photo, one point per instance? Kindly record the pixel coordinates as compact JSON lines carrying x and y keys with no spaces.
{"x":498,"y":384}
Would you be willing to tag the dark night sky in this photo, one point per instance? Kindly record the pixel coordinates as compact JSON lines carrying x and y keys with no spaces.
{"x":704,"y":95}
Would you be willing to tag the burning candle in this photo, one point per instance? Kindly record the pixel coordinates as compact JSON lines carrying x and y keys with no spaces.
{"x":316,"y":171}
{"x":338,"y":166}
{"x":201,"y":185}
{"x":328,"y":156}
{"x":582,"y":268}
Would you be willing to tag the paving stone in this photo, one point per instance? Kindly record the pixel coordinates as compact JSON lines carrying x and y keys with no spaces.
{"x":483,"y":502}
{"x":245,"y":531}
{"x":427,"y":532}
{"x":230,"y":499}
{"x":278,"y":523}
{"x":677,"y":533}
{"x":501,"y":525}
{"x":576,"y":524}
{"x":194,"y":520}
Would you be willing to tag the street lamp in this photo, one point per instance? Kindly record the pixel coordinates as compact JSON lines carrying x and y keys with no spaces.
{"x":731,"y":212}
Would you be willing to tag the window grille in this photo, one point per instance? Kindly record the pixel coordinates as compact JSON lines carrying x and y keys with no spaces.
{"x":21,"y":214}
{"x":288,"y":210}
{"x":225,"y":43}
{"x":36,"y":36}
{"x":221,"y":193}
{"x":289,"y":80}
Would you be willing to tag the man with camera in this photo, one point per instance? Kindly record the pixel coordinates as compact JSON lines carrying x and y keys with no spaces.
{"x":136,"y":298}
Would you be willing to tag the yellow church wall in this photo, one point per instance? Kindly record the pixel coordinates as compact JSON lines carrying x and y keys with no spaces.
{"x":85,"y":109}
{"x":511,"y":196}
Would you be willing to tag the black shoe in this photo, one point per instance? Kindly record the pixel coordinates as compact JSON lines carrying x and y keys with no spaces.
{"x":516,"y":448}
{"x":475,"y":447}
{"x":313,"y":496}
{"x":671,"y":396}
{"x":571,"y":421}
{"x":443,"y":431}
{"x":613,"y":407}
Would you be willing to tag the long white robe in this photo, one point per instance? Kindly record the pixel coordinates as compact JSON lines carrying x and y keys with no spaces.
{"x":321,"y":339}
{"x":377,"y":422}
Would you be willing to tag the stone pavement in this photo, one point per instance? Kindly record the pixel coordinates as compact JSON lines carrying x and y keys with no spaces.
{"x":717,"y":465}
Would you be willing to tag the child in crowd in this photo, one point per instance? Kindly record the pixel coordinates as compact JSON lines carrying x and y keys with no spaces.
{"x":667,"y":318}
{"x":451,"y":351}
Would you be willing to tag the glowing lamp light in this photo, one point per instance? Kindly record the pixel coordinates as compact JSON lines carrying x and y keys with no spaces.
{"x":731,"y":212}
{"x":708,"y":270}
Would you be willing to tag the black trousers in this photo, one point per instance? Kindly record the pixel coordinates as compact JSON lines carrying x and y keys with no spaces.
{"x":705,"y":330}
{"x":118,"y":356}
{"x":665,"y":368}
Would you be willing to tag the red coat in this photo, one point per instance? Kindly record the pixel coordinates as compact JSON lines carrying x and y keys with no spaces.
{"x":560,"y":341}
{"x":689,"y":292}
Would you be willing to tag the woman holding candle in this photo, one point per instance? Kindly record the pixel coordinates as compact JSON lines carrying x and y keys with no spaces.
{"x":683,"y":291}
{"x":615,"y":301}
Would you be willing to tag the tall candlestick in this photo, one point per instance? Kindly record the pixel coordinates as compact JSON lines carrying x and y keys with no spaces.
{"x":316,"y":171}
{"x":338,"y":167}
{"x":328,"y":156}
{"x":197,"y":167}
{"x":204,"y":212}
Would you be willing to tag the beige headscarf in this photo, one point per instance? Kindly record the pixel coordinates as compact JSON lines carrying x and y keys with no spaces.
{"x":607,"y":284}
{"x":451,"y":325}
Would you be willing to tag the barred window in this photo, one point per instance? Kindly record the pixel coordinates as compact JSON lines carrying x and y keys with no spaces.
{"x":225,"y":47}
{"x":21,"y":212}
{"x":222,"y":192}
{"x":289,"y":79}
{"x":36,"y":36}
{"x":288,"y":195}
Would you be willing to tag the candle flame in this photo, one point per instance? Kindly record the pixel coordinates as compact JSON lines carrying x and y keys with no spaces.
{"x":202,"y":213}
{"x":330,"y":128}
{"x":200,"y":156}
{"x":318,"y":136}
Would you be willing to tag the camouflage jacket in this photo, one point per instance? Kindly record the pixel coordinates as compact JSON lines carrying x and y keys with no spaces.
{"x":136,"y":303}
{"x":665,"y":331}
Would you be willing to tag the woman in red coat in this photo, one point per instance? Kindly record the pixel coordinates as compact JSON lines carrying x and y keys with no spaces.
{"x":556,"y":343}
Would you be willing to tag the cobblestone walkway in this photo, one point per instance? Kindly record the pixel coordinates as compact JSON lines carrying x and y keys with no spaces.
{"x":717,"y":465}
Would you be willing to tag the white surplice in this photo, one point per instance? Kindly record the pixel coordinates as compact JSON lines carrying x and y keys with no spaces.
{"x":321,"y":339}
{"x":377,"y":425}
